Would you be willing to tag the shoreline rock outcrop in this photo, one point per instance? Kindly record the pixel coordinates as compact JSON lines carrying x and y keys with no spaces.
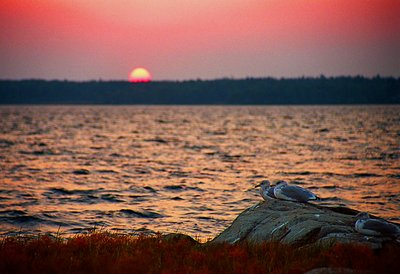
{"x":297,"y":224}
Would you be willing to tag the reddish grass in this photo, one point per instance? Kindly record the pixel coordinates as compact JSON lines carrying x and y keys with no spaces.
{"x":109,"y":253}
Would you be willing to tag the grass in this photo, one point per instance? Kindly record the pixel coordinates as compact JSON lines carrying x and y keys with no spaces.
{"x":102,"y":252}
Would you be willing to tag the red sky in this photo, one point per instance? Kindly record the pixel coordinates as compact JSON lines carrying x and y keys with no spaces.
{"x":188,"y":39}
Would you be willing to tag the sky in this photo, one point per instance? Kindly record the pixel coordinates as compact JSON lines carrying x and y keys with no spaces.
{"x":191,"y":39}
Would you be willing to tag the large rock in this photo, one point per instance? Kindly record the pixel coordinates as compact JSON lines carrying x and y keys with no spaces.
{"x":296,"y":223}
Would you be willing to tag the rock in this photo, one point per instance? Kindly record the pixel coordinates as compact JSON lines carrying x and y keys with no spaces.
{"x":179,"y":237}
{"x":330,"y":270}
{"x":296,"y":224}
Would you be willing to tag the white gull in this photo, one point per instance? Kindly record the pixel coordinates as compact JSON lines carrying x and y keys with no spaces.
{"x":375,"y":227}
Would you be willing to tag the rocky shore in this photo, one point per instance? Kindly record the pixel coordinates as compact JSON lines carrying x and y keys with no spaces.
{"x":297,"y":224}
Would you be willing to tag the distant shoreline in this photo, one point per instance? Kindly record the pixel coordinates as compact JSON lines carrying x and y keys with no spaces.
{"x":252,"y":91}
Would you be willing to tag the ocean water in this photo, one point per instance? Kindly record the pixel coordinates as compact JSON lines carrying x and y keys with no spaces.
{"x":188,"y":169}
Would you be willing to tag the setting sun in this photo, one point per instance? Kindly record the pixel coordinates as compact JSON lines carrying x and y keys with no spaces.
{"x":139,"y":75}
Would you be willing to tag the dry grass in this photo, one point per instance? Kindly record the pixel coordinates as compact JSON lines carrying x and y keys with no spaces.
{"x":110,"y":253}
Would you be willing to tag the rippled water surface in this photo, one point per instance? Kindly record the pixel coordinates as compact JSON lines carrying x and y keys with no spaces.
{"x":187,"y":169}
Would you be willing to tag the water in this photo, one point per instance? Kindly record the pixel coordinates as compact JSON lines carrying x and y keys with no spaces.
{"x":187,"y":169}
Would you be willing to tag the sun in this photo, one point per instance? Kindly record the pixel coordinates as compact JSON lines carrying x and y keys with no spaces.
{"x":139,"y":75}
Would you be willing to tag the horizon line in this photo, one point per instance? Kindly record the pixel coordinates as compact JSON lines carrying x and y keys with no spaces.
{"x":377,"y":76}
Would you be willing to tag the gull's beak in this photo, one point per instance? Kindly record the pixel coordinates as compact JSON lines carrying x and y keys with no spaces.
{"x":257,"y":185}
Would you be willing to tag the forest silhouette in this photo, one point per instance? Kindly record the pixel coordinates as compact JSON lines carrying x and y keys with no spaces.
{"x":249,"y":91}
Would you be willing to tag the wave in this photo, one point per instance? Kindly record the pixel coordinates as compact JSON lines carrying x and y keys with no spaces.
{"x":140,"y":214}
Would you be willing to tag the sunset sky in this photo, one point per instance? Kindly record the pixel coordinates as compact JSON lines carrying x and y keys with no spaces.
{"x":189,"y":39}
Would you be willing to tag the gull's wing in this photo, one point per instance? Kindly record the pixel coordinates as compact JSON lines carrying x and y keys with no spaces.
{"x":381,"y":226}
{"x":297,"y":193}
{"x":270,"y":192}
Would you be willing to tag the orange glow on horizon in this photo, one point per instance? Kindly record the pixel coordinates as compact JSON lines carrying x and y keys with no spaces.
{"x":139,"y":75}
{"x":257,"y":37}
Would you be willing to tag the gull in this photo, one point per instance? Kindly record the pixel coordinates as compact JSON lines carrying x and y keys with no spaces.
{"x":267,"y":191}
{"x":287,"y":192}
{"x":375,"y":227}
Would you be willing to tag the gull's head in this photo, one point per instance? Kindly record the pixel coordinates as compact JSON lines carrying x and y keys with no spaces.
{"x":362,"y":216}
{"x":265,"y":184}
{"x":281,"y":183}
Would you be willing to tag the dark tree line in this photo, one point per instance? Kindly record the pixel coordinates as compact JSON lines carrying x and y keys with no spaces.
{"x":255,"y":91}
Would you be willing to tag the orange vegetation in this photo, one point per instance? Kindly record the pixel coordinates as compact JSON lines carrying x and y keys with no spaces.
{"x":109,"y":253}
